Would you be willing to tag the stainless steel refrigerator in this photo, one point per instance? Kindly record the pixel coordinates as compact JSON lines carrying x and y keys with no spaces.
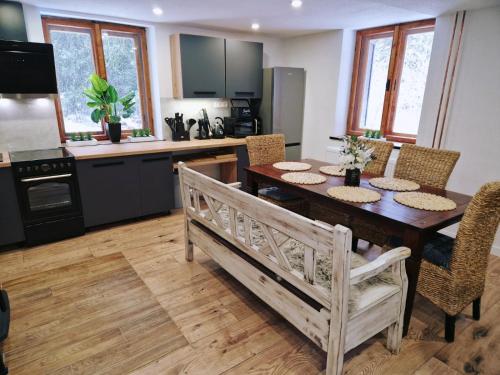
{"x":282,"y":106}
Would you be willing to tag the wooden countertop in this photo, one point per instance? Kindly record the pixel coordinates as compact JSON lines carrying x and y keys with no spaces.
{"x":109,"y":150}
{"x":5,"y":160}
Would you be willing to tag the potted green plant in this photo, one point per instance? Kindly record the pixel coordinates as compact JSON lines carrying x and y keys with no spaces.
{"x":81,"y":139}
{"x":141,"y":135}
{"x":108,"y":106}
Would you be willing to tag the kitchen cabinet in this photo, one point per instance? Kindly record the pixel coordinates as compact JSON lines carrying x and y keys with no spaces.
{"x":156,"y":180}
{"x":207,"y":67}
{"x":198,"y":66}
{"x":109,"y":190}
{"x":120,"y":188}
{"x":12,"y":25}
{"x":243,"y":69}
{"x":11,"y":225}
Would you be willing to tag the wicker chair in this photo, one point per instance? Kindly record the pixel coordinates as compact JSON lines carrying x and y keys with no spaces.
{"x":426,"y":166}
{"x":267,"y":149}
{"x":382,"y":152}
{"x":453,"y":271}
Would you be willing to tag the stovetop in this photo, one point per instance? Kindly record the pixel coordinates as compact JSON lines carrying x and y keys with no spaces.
{"x":39,"y":155}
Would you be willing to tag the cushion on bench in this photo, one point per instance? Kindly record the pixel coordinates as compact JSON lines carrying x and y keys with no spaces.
{"x":361,"y":295}
{"x":277,"y":194}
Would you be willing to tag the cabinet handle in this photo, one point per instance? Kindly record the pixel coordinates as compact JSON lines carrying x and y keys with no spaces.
{"x":204,"y":92}
{"x":249,"y":93}
{"x":162,"y":158}
{"x":110,"y":164}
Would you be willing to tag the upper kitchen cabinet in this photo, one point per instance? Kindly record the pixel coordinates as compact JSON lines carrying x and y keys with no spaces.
{"x":198,"y":66}
{"x":243,"y":69}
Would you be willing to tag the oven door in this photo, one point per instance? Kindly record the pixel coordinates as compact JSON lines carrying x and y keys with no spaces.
{"x":48,"y":197}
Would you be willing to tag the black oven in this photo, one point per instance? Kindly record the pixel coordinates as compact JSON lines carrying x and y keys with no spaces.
{"x":42,"y":197}
{"x":48,"y":195}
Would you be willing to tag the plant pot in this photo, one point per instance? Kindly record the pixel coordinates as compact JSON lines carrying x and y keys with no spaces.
{"x":352,"y":177}
{"x":115,"y":132}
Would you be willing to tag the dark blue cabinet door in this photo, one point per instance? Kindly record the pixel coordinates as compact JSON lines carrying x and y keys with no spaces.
{"x":243,"y":69}
{"x":156,"y":179}
{"x":203,"y":66}
{"x":109,"y":189}
{"x":11,"y":225}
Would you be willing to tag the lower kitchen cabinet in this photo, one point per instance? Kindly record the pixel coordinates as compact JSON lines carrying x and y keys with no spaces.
{"x":157,"y":181}
{"x":11,"y":225}
{"x":120,"y":188}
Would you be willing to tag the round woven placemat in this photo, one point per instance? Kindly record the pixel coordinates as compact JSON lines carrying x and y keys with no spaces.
{"x":425,"y":201}
{"x":292,"y":166}
{"x":303,"y":178}
{"x":353,"y":194}
{"x":394,"y":184}
{"x":332,"y":170}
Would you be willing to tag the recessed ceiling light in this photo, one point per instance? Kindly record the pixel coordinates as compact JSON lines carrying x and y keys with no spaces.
{"x":296,"y":3}
{"x":157,"y":11}
{"x":255,"y":26}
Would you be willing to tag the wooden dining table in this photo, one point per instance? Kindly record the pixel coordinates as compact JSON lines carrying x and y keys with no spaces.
{"x":413,"y":226}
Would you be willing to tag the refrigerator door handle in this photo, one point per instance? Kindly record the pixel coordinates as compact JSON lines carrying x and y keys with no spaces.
{"x":292,"y":144}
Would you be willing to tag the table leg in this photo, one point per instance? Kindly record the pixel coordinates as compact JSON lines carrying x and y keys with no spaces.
{"x":252,"y":184}
{"x":415,"y":241}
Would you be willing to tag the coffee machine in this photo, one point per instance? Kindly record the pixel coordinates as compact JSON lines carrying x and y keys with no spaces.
{"x":242,"y":122}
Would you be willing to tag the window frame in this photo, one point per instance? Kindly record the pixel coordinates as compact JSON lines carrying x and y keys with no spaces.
{"x":399,"y":33}
{"x":95,"y":29}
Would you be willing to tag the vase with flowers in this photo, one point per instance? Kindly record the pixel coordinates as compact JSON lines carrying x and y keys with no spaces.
{"x":354,"y":156}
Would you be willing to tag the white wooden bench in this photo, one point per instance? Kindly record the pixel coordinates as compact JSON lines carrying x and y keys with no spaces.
{"x":256,"y":242}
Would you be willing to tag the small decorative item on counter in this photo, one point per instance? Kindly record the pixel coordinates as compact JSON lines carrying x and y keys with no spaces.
{"x":105,"y":100}
{"x":372,"y":134}
{"x":81,"y":139}
{"x":354,"y":156}
{"x":141,"y":135}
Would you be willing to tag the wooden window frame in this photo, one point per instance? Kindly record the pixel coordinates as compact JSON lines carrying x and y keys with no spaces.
{"x":96,"y":28}
{"x":399,"y":33}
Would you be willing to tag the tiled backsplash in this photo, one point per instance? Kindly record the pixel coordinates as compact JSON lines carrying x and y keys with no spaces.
{"x":28,"y":124}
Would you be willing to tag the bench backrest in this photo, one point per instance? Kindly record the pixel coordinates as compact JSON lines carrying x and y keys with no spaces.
{"x":232,"y":213}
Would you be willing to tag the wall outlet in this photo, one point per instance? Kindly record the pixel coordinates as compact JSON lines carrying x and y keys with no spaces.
{"x":220,"y":104}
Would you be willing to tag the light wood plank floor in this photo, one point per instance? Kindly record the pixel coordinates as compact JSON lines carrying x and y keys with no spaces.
{"x":123,"y":300}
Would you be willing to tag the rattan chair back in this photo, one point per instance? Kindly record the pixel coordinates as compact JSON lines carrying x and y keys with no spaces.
{"x":426,"y":166}
{"x":475,"y":236}
{"x":266,"y":149}
{"x":382,"y":152}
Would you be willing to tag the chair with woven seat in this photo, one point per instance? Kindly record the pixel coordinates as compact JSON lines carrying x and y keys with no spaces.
{"x":426,"y":166}
{"x":382,"y":152}
{"x":268,"y":149}
{"x":453,"y":271}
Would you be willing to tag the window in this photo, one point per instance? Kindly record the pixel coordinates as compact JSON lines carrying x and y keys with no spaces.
{"x":388,"y":82}
{"x":116,"y":52}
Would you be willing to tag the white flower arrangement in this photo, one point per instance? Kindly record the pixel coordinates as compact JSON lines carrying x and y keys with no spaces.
{"x":354,"y":154}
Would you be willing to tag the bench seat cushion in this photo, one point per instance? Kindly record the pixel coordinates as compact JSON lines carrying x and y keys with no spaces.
{"x":277,"y":194}
{"x":361,"y":296}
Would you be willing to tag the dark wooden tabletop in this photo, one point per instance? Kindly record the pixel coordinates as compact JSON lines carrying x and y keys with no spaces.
{"x":386,"y":207}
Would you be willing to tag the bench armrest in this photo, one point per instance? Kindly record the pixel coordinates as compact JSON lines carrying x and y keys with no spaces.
{"x":380,"y":264}
{"x":236,"y":185}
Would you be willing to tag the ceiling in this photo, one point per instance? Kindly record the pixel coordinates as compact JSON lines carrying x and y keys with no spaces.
{"x":276,"y":17}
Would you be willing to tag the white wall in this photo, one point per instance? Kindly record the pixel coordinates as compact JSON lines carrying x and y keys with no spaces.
{"x":327,"y":59}
{"x":474,"y":111}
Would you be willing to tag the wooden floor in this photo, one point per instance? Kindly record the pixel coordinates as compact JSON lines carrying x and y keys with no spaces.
{"x":123,"y":300}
